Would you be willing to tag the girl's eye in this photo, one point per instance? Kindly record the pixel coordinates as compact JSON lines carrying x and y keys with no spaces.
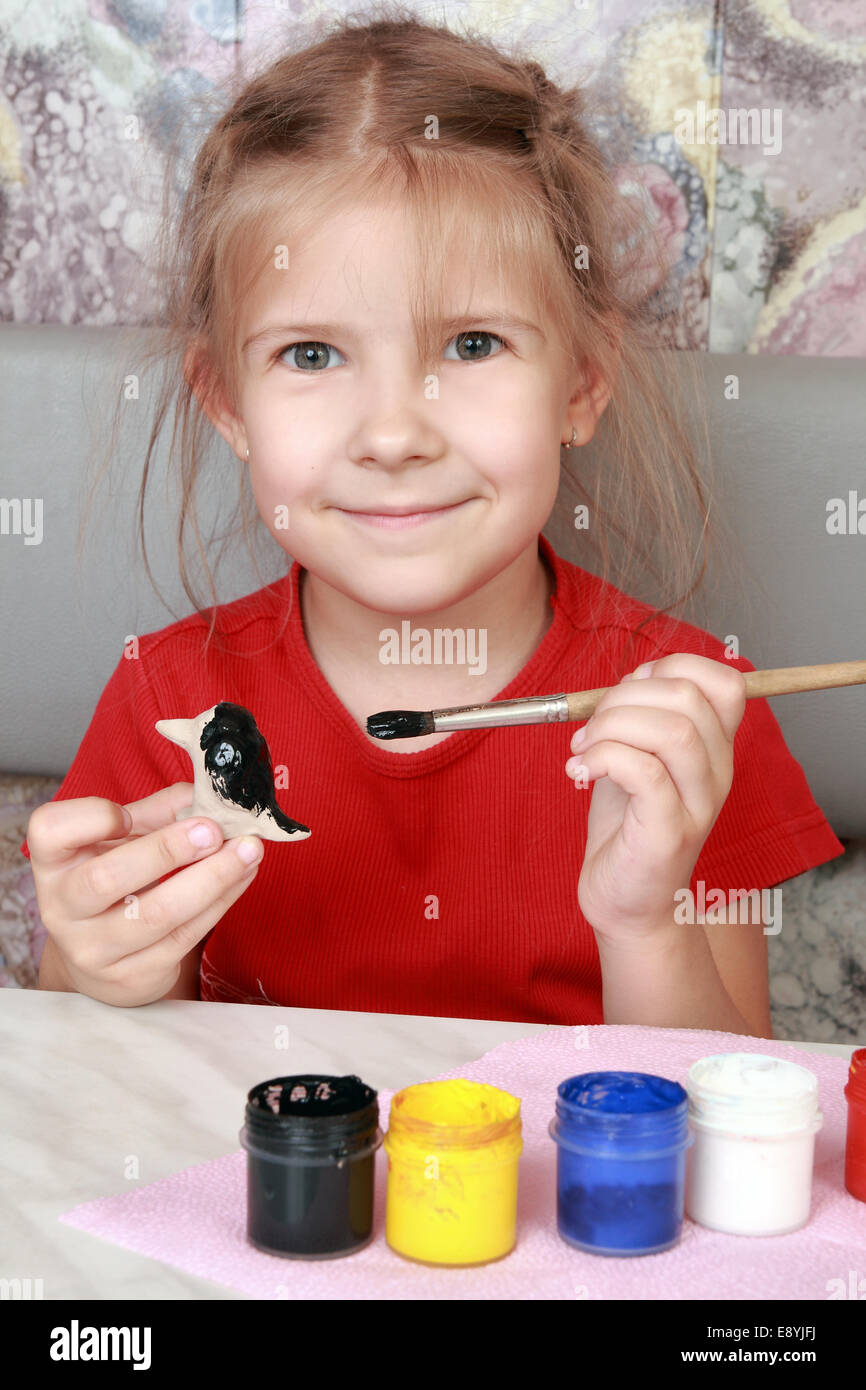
{"x":314,"y":357}
{"x":308,"y":356}
{"x":476,"y":344}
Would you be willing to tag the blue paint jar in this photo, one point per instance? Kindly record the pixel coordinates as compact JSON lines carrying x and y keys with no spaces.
{"x":621,"y":1141}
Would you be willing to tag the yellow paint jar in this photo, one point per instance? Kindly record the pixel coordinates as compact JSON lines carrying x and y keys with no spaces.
{"x":453,"y":1148}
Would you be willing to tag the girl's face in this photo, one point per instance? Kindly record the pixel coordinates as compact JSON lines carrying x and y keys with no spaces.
{"x":340,"y":420}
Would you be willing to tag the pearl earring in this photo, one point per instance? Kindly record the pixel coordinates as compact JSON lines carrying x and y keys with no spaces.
{"x":573,"y":439}
{"x":247,"y":455}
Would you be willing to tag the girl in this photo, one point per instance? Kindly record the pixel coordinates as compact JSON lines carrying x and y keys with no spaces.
{"x":403,"y":279}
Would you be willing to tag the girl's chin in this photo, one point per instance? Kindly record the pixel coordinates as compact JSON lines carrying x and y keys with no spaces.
{"x":394,"y":588}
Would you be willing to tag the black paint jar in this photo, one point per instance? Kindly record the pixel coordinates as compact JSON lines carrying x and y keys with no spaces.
{"x":311,"y":1146}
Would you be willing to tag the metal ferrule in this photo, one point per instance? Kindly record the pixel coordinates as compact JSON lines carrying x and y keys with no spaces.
{"x":535,"y":709}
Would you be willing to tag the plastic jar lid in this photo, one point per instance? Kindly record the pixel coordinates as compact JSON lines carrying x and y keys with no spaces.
{"x":856,"y":1088}
{"x":455,"y":1115}
{"x":750,"y":1093}
{"x":631,"y":1113}
{"x":311,"y":1116}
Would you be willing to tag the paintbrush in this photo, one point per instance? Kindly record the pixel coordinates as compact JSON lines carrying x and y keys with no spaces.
{"x":555,"y":709}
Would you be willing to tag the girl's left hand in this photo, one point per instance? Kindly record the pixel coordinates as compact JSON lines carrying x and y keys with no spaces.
{"x":660,"y":751}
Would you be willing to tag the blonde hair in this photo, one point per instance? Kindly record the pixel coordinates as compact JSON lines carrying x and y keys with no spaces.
{"x":348,"y":118}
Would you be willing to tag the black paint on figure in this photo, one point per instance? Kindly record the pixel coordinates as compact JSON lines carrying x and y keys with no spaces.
{"x":238,"y":761}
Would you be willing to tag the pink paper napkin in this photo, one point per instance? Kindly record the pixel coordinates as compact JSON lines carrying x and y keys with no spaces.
{"x":196,"y":1219}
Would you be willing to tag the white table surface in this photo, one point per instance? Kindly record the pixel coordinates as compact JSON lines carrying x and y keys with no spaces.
{"x":84,"y":1085}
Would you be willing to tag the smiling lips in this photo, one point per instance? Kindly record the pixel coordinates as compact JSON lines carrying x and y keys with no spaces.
{"x":397,"y":520}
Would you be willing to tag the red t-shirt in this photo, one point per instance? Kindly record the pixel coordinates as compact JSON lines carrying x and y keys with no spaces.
{"x":438,"y":882}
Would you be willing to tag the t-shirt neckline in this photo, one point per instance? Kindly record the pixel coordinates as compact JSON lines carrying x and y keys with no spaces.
{"x":532,"y":679}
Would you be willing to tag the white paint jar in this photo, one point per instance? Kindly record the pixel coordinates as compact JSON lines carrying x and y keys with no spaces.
{"x":754,"y":1120}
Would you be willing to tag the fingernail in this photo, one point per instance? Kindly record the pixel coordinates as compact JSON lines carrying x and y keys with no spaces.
{"x":201,"y":835}
{"x":642,"y":671}
{"x":579,"y":738}
{"x":573,"y":766}
{"x":249,"y":849}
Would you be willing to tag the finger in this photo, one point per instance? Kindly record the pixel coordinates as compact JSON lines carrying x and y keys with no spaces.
{"x":103,"y":879}
{"x":653,"y":799}
{"x":676,"y":742}
{"x":170,"y":949}
{"x":58,"y":830}
{"x":675,"y":693}
{"x":154,"y":811}
{"x":720,"y":682}
{"x":161,"y":912}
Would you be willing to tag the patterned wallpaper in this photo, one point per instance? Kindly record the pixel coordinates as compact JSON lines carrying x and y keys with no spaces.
{"x":766,"y":216}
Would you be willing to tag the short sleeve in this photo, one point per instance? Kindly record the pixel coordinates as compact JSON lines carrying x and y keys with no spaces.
{"x":121,"y":757}
{"x":770,"y":827}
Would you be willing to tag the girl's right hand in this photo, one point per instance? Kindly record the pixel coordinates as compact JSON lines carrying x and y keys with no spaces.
{"x":119,"y":926}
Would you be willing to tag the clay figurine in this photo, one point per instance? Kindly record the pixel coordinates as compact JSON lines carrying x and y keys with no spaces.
{"x":234,"y":776}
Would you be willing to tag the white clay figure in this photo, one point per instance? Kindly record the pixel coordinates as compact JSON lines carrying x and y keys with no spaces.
{"x":234,"y":777}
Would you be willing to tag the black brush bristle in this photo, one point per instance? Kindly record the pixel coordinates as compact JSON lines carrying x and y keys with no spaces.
{"x":399,"y":723}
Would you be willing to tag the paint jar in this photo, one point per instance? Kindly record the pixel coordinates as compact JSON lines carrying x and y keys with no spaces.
{"x":453,"y":1148}
{"x":855,"y":1141}
{"x":754,"y":1120}
{"x":621,"y":1141}
{"x":311,"y":1146}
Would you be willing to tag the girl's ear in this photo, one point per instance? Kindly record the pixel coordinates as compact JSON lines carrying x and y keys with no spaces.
{"x":588,"y":403}
{"x":210,"y":393}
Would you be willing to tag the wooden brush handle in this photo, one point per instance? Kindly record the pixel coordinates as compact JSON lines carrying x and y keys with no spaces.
{"x":782,"y":680}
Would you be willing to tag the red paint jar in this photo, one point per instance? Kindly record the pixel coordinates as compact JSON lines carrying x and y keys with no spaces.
{"x":855,"y":1144}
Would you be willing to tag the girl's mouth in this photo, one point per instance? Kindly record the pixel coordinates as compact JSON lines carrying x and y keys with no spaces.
{"x":390,"y":522}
